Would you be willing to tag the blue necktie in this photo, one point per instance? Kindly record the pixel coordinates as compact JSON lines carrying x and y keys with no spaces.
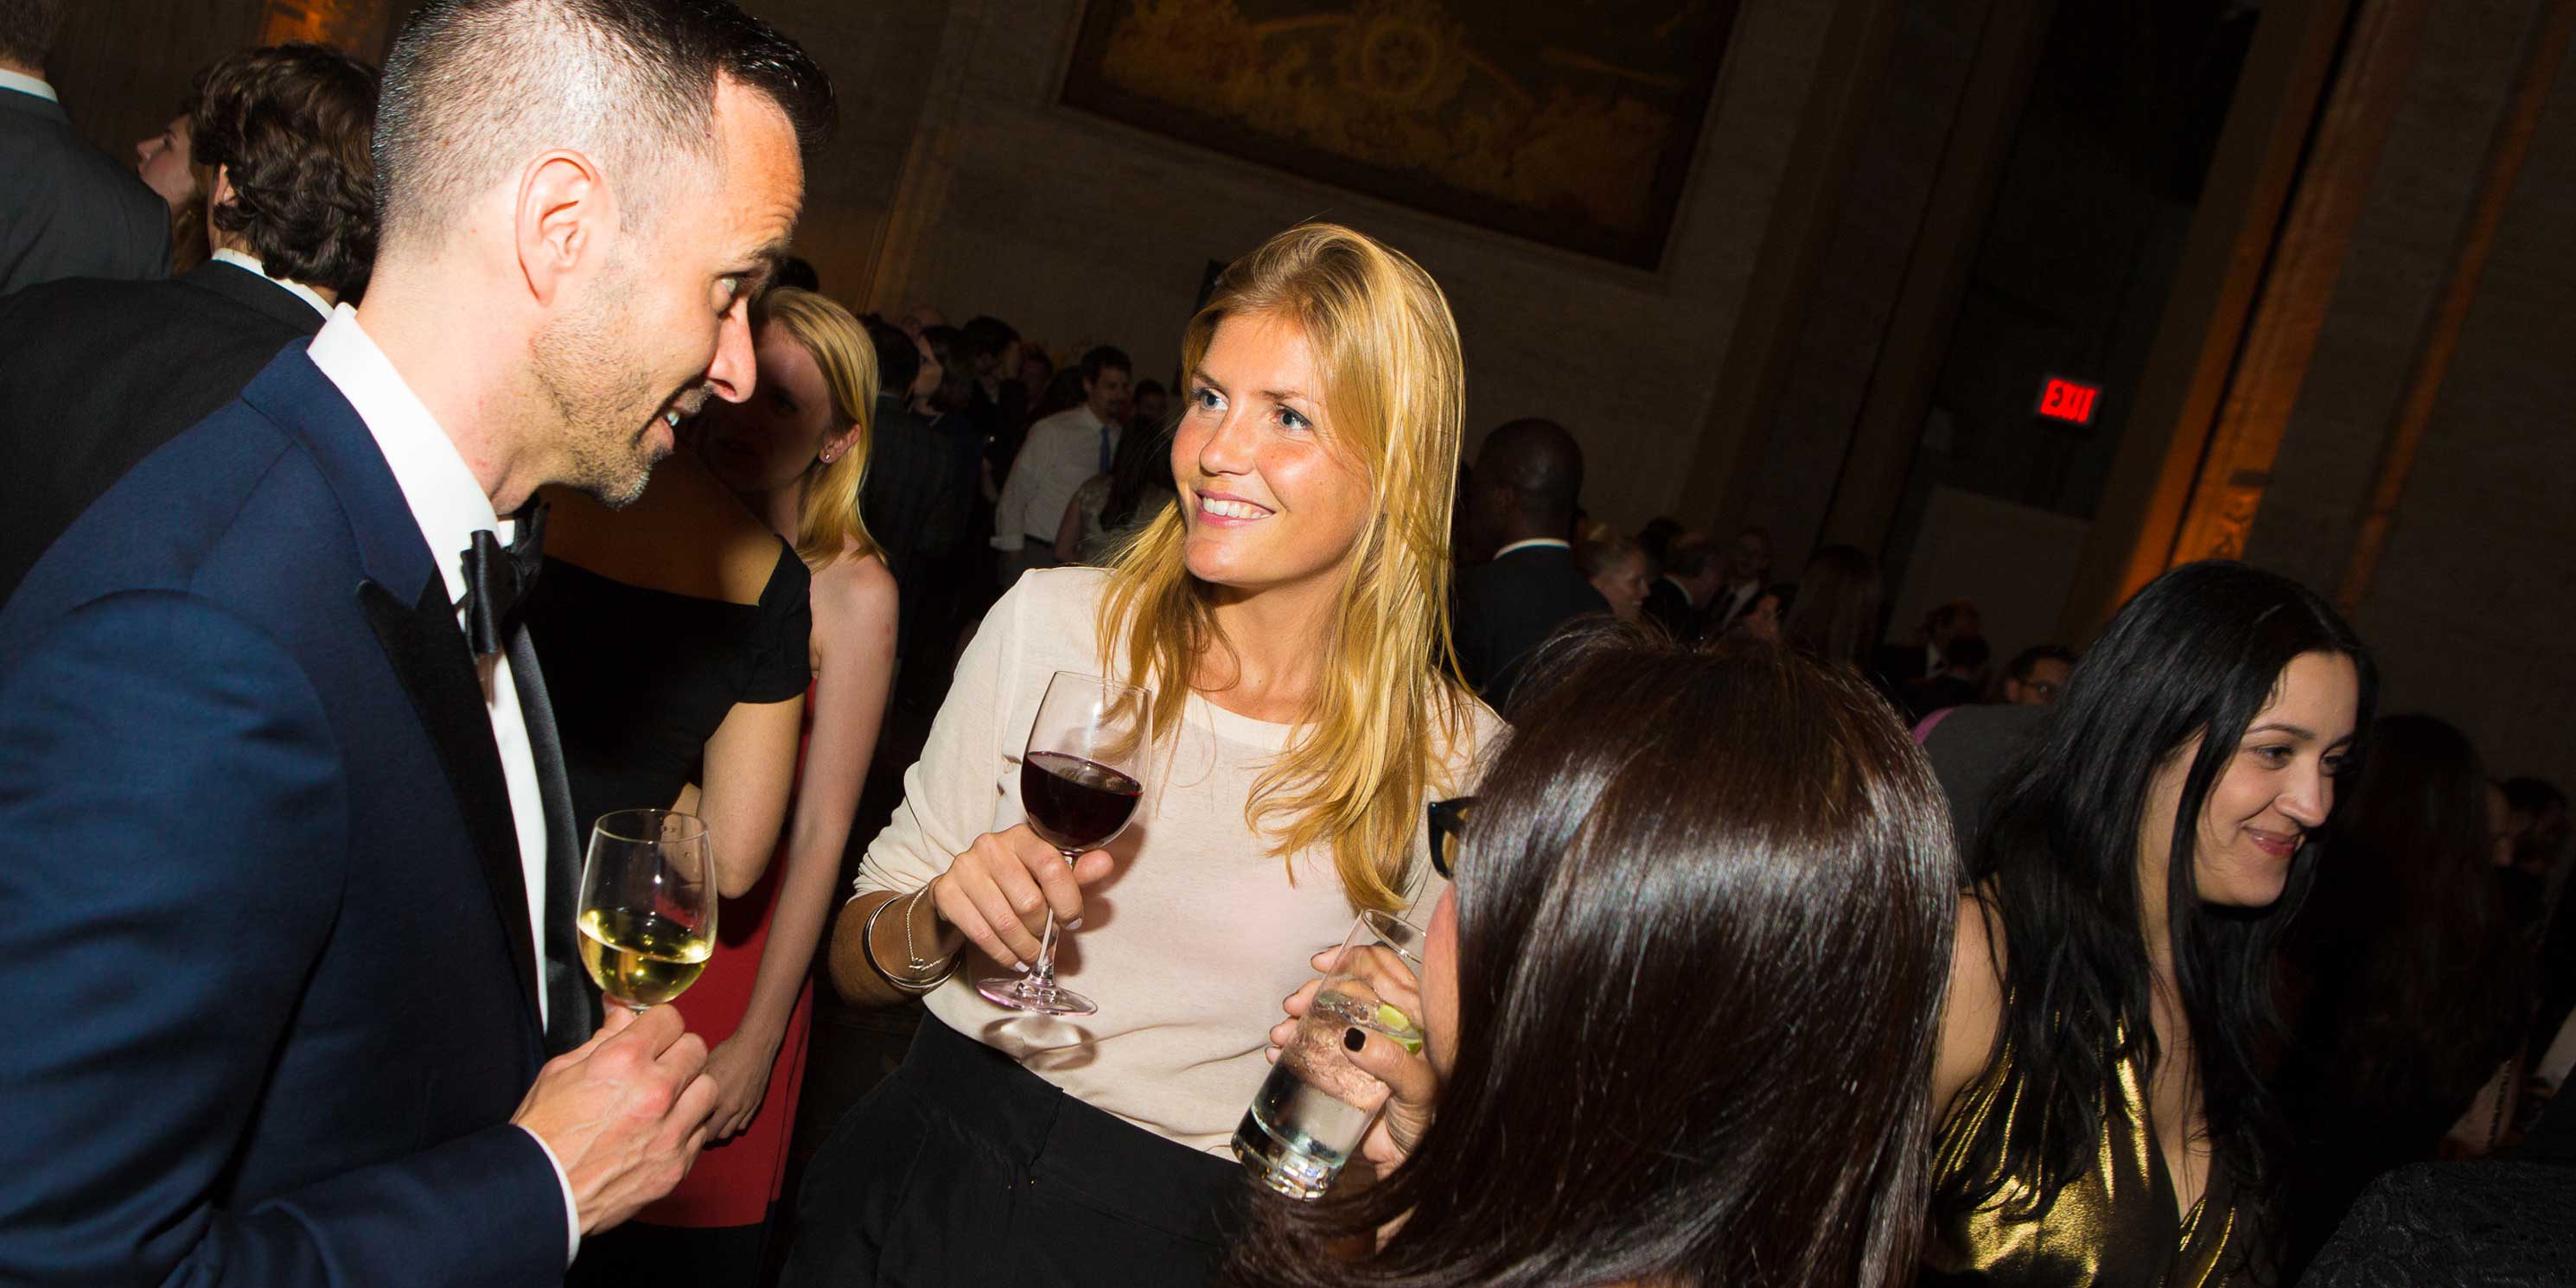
{"x":1105,"y":451}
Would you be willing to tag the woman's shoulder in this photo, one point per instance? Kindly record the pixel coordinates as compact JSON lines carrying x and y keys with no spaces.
{"x":1972,"y":1017}
{"x":1050,"y":593}
{"x":1469,"y":733}
{"x":851,"y":588}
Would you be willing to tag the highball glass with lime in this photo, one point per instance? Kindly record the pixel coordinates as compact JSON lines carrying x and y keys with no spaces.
{"x":1312,"y":1110}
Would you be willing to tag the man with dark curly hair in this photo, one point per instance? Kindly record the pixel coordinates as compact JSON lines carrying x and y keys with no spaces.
{"x":102,"y":372}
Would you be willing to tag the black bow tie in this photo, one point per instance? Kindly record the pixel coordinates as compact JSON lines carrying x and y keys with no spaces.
{"x":497,"y":579}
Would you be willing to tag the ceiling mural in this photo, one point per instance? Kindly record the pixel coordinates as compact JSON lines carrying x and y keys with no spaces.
{"x":1572,"y":125}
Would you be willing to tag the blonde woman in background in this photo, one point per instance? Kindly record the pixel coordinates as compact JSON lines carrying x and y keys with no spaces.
{"x":1287,"y":614}
{"x":795,"y":454}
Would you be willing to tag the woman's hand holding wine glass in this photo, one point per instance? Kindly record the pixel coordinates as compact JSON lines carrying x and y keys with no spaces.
{"x":1080,"y":781}
{"x":998,"y":894}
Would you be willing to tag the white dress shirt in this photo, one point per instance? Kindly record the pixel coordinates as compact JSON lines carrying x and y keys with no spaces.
{"x":297,"y":289}
{"x":450,"y":507}
{"x":1534,"y":541}
{"x":1062,"y":453}
{"x":26,"y":84}
{"x":1739,"y":597}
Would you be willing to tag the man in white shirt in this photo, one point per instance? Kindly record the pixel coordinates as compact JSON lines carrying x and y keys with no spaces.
{"x":286,"y":849}
{"x":1063,"y":452}
{"x":66,"y":208}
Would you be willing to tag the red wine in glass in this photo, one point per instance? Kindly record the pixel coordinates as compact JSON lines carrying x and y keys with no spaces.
{"x":1079,"y":784}
{"x":1075,"y":804}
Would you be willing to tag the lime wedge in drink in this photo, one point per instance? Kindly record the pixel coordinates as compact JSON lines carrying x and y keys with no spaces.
{"x":1400,"y":1027}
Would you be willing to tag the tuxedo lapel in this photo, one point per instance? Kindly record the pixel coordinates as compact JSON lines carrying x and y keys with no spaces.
{"x":572,"y":1004}
{"x":429,"y":656}
{"x":419,"y":634}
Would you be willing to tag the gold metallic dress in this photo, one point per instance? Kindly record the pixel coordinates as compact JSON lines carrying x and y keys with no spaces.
{"x":2113,"y":1227}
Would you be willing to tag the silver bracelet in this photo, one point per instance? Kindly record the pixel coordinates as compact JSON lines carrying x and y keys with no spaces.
{"x":868,"y":949}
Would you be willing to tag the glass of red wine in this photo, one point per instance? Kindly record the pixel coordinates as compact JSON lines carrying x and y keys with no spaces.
{"x":1079,"y":783}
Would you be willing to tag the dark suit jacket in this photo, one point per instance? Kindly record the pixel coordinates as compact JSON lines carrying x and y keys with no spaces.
{"x":68,"y":209}
{"x":1939,"y":693}
{"x":920,"y":488}
{"x":1668,"y":607}
{"x":1970,"y":751}
{"x":1510,"y":606}
{"x":101,"y":373}
{"x":271,"y":1002}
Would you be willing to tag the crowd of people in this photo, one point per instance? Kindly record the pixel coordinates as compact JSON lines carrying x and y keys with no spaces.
{"x":420,"y":467}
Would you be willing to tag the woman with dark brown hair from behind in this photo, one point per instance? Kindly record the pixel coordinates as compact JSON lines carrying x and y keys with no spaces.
{"x":1681,"y":1001}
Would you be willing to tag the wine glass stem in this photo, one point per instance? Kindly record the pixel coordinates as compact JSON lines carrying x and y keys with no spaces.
{"x":1042,"y":975}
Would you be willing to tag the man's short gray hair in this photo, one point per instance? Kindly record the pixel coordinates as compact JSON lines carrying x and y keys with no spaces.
{"x":476,"y":87}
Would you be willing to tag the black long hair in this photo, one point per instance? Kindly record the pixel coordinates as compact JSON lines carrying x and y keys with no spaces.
{"x":1704,"y":915}
{"x":2197,"y":653}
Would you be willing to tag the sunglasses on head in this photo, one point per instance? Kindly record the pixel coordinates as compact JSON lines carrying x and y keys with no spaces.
{"x":1449,"y":833}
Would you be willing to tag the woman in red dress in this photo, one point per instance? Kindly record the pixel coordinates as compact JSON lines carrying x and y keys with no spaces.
{"x":795,"y":452}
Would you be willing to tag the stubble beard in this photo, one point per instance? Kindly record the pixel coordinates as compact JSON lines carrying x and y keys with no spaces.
{"x":583,"y":364}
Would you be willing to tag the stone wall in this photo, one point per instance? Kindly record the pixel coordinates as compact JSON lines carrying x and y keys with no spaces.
{"x":2472,"y":608}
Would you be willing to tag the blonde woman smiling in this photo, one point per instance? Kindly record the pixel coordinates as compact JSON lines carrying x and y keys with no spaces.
{"x":1287,"y":614}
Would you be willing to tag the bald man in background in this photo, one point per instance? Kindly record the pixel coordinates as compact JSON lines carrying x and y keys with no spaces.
{"x":1520,"y":504}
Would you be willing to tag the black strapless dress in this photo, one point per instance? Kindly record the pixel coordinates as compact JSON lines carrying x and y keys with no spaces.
{"x":640,"y":678}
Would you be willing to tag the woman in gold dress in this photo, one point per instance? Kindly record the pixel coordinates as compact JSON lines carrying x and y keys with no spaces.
{"x":2109,"y":1119}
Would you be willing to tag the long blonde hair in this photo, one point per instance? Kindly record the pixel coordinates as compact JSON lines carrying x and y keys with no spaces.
{"x":1357,"y":773}
{"x":827,"y":513}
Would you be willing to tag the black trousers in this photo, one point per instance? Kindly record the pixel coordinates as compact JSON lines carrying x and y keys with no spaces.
{"x":964,"y":1170}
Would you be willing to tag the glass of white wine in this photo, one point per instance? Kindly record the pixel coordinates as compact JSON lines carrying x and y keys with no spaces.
{"x":648,"y":905}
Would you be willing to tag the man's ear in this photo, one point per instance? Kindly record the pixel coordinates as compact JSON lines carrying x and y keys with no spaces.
{"x":220,"y":192}
{"x":561,"y":221}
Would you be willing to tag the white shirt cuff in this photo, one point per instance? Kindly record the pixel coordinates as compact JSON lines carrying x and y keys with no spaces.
{"x":572,"y":1210}
{"x":1009,"y":543}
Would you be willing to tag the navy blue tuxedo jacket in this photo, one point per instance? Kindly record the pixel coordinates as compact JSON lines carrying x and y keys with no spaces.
{"x":269,"y":996}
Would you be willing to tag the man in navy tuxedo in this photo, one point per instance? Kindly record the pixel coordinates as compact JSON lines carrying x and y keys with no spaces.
{"x":285,"y":848}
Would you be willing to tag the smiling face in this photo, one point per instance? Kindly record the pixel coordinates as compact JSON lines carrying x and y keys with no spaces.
{"x":664,"y":325}
{"x":768,"y":441}
{"x":163,"y":162}
{"x":1270,"y":497}
{"x":2277,"y":786}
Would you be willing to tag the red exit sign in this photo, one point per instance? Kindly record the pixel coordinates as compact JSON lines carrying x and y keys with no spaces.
{"x":2068,"y":401}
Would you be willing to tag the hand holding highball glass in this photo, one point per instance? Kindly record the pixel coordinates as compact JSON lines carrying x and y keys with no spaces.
{"x":647,"y":915}
{"x":1315,"y":1105}
{"x":1079,"y":783}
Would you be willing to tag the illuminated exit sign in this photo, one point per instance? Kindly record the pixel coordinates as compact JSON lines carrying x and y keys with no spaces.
{"x":2068,"y":401}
